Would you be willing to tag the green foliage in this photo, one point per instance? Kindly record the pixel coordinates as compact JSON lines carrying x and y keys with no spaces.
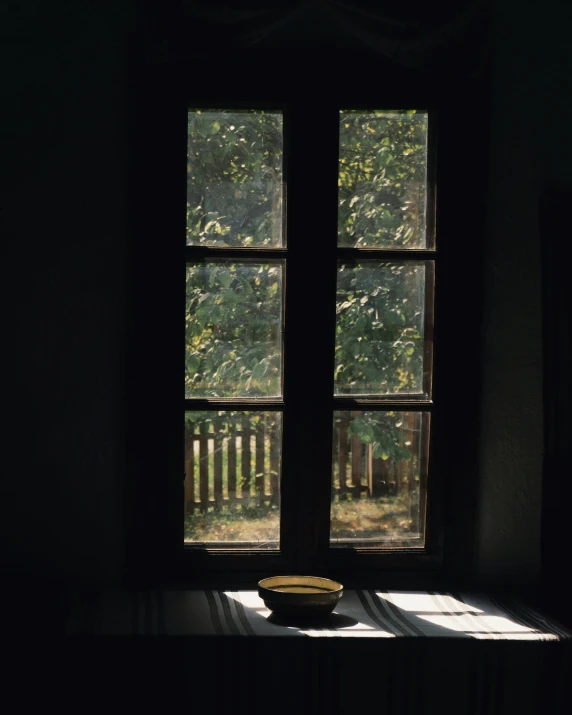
{"x":379,"y":329}
{"x":234,"y":178}
{"x":233,"y":310}
{"x":225,"y":421}
{"x":381,"y":181}
{"x":383,"y":431}
{"x":233,"y":333}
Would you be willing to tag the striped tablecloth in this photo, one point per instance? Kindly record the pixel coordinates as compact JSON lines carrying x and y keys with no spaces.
{"x":360,"y":614}
{"x":404,"y":653}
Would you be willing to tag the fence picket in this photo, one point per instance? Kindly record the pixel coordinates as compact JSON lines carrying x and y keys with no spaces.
{"x":343,"y":454}
{"x":410,"y":421}
{"x":189,"y":469}
{"x":231,"y":476}
{"x":245,"y":449}
{"x":217,"y":468}
{"x":274,"y":465}
{"x":335,"y":451}
{"x":259,"y":464}
{"x":379,"y":477}
{"x":356,"y":447}
{"x":204,"y":466}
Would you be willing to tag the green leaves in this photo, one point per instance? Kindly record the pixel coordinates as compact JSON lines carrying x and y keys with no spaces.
{"x":234,"y":199}
{"x":382,"y":179}
{"x":234,"y":179}
{"x":233,"y":330}
{"x":225,"y":279}
{"x":259,"y":370}
{"x":379,"y":328}
{"x":385,"y":433}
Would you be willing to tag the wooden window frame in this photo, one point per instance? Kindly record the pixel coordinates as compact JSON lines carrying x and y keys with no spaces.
{"x":155,"y":549}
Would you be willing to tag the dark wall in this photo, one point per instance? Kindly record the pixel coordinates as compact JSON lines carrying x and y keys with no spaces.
{"x":65,"y":224}
{"x":531,"y":148}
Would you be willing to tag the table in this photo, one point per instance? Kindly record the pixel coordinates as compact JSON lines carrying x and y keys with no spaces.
{"x":386,"y":651}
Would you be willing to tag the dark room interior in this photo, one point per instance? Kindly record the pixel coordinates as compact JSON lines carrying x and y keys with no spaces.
{"x":82,"y":88}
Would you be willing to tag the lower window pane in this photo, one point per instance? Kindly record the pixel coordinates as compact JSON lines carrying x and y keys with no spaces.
{"x":379,"y":479}
{"x":232,"y":479}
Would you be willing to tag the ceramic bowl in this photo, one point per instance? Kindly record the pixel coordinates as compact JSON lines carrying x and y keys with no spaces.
{"x":300,"y":596}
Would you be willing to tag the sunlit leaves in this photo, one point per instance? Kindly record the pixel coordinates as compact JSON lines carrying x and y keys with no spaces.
{"x":384,"y":431}
{"x":235,"y":199}
{"x":234,"y":178}
{"x":379,"y":328}
{"x":382,"y":179}
{"x":233,"y":330}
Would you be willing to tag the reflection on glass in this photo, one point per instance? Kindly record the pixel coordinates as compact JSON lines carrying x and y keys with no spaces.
{"x":234,"y":178}
{"x":378,"y":478}
{"x":234,"y":330}
{"x":382,"y":179}
{"x":380,"y":328}
{"x":232,"y":478}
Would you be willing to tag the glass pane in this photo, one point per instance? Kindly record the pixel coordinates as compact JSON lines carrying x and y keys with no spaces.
{"x":382,"y":179}
{"x":379,"y":478}
{"x":232,"y":478}
{"x":234,"y":330}
{"x":234,"y":178}
{"x":380,"y":328}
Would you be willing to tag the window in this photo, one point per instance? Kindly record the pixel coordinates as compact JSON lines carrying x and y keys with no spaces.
{"x":257,"y":362}
{"x":302,"y":269}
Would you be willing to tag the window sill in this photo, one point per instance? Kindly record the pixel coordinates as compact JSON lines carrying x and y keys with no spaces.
{"x":361,"y":613}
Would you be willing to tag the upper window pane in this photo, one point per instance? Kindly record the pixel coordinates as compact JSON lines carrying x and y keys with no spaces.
{"x":234,"y":178}
{"x":382,"y":180}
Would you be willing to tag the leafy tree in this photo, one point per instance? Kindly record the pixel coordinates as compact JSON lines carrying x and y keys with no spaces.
{"x":234,"y":179}
{"x":233,"y":310}
{"x":233,"y":330}
{"x":379,"y":329}
{"x":383,"y":431}
{"x":382,"y":179}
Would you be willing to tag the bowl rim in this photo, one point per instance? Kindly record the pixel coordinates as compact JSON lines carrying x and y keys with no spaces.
{"x":338,"y":587}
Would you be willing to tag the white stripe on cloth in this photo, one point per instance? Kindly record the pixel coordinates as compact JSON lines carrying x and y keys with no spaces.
{"x":359,"y":614}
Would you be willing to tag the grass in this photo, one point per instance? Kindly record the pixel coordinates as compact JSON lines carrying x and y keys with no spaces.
{"x":249,"y":524}
{"x":385,"y":518}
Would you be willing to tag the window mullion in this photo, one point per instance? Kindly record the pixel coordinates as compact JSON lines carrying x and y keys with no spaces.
{"x":309,"y":333}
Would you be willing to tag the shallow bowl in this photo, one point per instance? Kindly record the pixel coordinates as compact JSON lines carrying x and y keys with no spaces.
{"x":294,"y":596}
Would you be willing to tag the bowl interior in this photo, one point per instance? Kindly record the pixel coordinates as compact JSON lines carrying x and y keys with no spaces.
{"x":303,"y":585}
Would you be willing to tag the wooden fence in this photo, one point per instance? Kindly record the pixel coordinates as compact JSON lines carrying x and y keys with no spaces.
{"x":242,"y":466}
{"x":358,"y":474}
